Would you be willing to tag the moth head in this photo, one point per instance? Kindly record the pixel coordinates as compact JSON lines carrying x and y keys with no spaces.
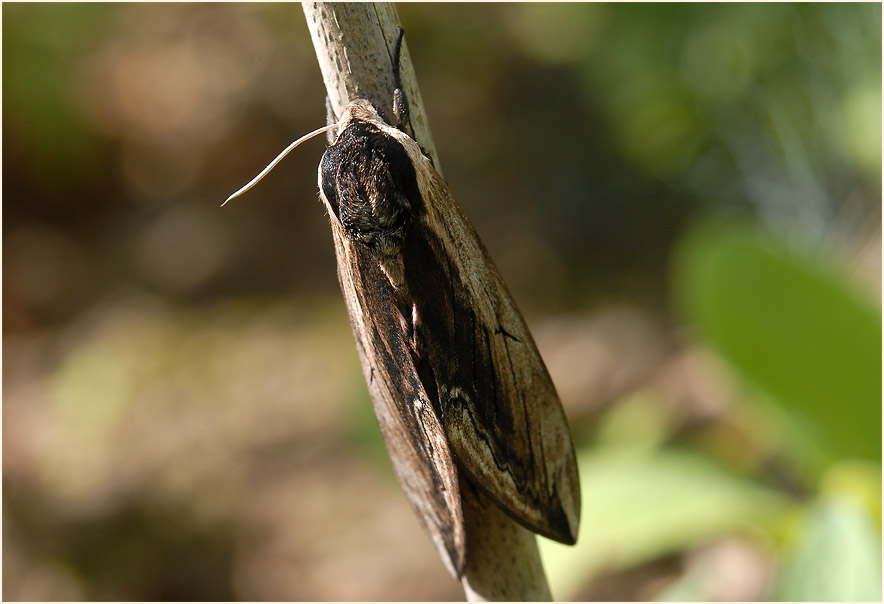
{"x":360,"y":110}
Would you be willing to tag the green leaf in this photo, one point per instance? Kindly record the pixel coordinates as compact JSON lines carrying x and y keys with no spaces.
{"x":791,"y":326}
{"x":640,"y":504}
{"x":837,"y":559}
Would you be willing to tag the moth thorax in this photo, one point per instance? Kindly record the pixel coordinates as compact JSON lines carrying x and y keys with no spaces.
{"x":381,"y":228}
{"x":369,"y":181}
{"x":373,"y":206}
{"x":378,"y":227}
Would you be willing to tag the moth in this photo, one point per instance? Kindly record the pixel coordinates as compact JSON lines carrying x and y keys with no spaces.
{"x":455,"y":378}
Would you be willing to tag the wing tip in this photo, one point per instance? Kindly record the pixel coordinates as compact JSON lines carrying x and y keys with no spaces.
{"x":569,"y":502}
{"x":561,"y":522}
{"x":559,"y":515}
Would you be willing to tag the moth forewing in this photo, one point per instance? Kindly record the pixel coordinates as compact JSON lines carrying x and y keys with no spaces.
{"x":412,"y":434}
{"x":499,"y":408}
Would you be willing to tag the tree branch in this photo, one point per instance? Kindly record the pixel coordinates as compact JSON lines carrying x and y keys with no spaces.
{"x":354,"y":43}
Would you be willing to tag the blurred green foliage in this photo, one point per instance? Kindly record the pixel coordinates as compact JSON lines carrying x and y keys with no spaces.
{"x":40,"y":58}
{"x":715,"y":169}
{"x":837,"y":557}
{"x":640,"y":504}
{"x":810,"y":344}
{"x":792,"y":327}
{"x":711,"y":95}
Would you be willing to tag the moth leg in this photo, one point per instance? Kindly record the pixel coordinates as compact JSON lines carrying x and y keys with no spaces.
{"x":400,"y":101}
{"x":400,"y":109}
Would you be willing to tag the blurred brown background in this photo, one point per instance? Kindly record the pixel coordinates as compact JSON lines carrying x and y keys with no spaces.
{"x":184,"y":416}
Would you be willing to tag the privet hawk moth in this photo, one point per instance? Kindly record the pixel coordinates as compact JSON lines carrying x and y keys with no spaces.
{"x":455,"y":378}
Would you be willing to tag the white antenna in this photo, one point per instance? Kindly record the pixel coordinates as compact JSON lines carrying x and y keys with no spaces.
{"x":278,"y":159}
